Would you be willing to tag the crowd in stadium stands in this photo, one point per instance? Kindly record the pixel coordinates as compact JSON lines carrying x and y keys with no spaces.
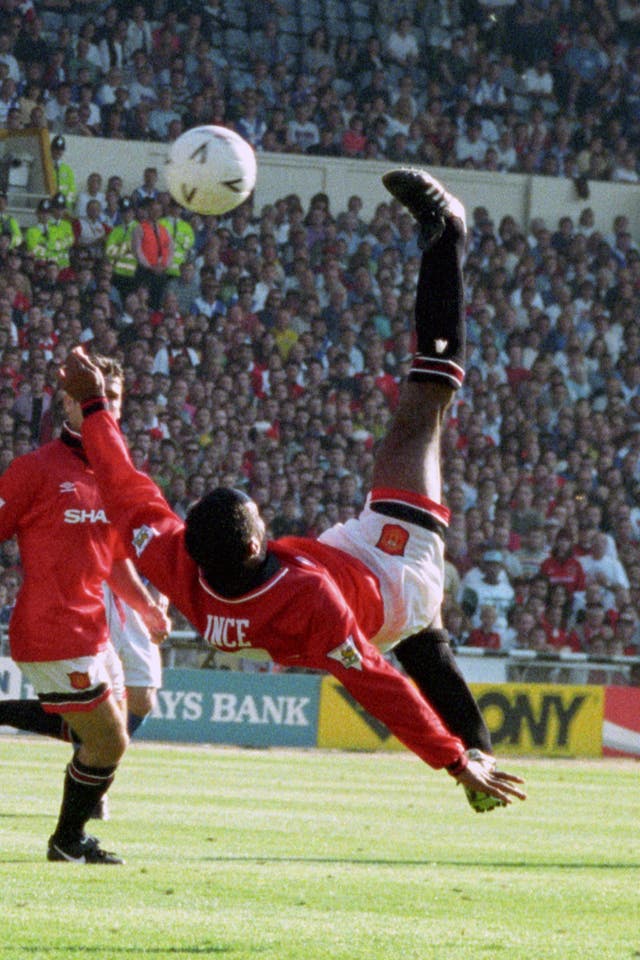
{"x":265,"y":349}
{"x":543,"y":86}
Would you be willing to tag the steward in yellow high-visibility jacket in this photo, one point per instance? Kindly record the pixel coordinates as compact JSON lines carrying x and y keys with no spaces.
{"x":36,"y":236}
{"x":119,"y":249}
{"x":181,"y":232}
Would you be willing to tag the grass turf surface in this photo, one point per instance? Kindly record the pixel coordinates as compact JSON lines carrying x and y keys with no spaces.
{"x":284,"y":855}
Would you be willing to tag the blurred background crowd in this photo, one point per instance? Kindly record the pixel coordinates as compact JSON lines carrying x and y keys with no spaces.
{"x":265,"y":349}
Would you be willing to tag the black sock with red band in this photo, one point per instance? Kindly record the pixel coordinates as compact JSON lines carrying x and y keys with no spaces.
{"x":440,"y":312}
{"x":83,"y":787}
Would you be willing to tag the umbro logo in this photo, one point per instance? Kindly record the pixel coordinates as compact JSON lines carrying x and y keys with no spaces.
{"x":68,"y":486}
{"x":441,"y":345}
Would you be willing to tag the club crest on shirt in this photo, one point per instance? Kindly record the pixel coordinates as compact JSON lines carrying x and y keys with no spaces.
{"x":347,"y":654}
{"x":393,"y":539}
{"x":142,"y":537}
{"x":79,"y":681}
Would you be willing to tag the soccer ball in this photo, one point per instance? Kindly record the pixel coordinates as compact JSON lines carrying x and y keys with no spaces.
{"x":210,"y":170}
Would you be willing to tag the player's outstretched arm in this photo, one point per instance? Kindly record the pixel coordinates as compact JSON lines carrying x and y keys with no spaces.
{"x":150,"y":530}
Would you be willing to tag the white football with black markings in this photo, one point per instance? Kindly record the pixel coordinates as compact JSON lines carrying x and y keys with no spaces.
{"x":210,"y":170}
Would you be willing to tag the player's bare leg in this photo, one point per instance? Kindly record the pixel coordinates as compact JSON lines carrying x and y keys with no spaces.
{"x":140,"y":701}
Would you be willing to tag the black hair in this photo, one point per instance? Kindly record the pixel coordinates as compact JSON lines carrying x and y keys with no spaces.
{"x":218,"y":529}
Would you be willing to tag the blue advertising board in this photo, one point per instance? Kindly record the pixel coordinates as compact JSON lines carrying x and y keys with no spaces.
{"x":246,"y":709}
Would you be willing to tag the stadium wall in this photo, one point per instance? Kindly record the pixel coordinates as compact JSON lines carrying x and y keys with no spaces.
{"x":312,"y":710}
{"x":519,"y":195}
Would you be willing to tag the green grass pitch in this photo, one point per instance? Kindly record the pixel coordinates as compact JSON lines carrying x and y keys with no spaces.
{"x":295,"y":855}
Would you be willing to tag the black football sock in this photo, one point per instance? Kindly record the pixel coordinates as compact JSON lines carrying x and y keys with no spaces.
{"x":29,"y":715}
{"x":134,"y":722}
{"x":440,"y":312}
{"x":83,"y":787}
{"x":428,"y":659}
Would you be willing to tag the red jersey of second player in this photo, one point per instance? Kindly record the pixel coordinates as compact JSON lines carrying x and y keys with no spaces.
{"x":50,"y":499}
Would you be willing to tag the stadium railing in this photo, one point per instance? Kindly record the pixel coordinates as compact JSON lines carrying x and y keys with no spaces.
{"x":186,"y":648}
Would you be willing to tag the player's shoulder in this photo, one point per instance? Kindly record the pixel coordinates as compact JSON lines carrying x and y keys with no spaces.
{"x":296,"y":550}
{"x":307,"y":558}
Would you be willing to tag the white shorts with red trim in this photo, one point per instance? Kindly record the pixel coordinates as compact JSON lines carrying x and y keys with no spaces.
{"x":70,"y":686}
{"x":139,"y":655}
{"x":407,"y":559}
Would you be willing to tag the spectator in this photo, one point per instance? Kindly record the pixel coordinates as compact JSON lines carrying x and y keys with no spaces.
{"x":402,"y":44}
{"x":471,"y":146}
{"x":562,"y":566}
{"x":485,"y":635}
{"x":626,"y":631}
{"x":603,"y":568}
{"x":487,"y":584}
{"x":91,"y":231}
{"x":93,"y":191}
{"x":138,"y":33}
{"x":163,"y":114}
{"x":148,"y":189}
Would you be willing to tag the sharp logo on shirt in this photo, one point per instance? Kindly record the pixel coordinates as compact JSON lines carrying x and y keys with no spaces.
{"x":142,"y":537}
{"x":67,"y":487}
{"x":393,"y":539}
{"x":226,"y":633}
{"x":79,"y":681}
{"x":76,"y":515}
{"x":347,"y":654}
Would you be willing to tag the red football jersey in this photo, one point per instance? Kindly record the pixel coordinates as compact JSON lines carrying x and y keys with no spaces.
{"x":569,"y":573}
{"x":316,"y":611}
{"x":50,"y":499}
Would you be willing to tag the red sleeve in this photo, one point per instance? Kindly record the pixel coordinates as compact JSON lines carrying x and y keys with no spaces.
{"x":336,"y":644}
{"x":151,"y":532}
{"x":391,"y":698}
{"x":17,"y":486}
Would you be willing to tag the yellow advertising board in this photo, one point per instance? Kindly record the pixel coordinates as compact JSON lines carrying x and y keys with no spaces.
{"x":343,"y":724}
{"x":549,"y":720}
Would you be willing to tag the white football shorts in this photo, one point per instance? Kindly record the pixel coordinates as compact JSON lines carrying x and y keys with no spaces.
{"x":140,"y":657}
{"x":406,"y":557}
{"x":78,"y":685}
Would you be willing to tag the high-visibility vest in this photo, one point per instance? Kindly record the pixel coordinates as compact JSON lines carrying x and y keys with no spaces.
{"x":183,"y":238}
{"x":119,"y":249}
{"x":65,"y":182}
{"x":10,"y":225}
{"x":36,"y":241}
{"x":155,"y":244}
{"x":60,"y":239}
